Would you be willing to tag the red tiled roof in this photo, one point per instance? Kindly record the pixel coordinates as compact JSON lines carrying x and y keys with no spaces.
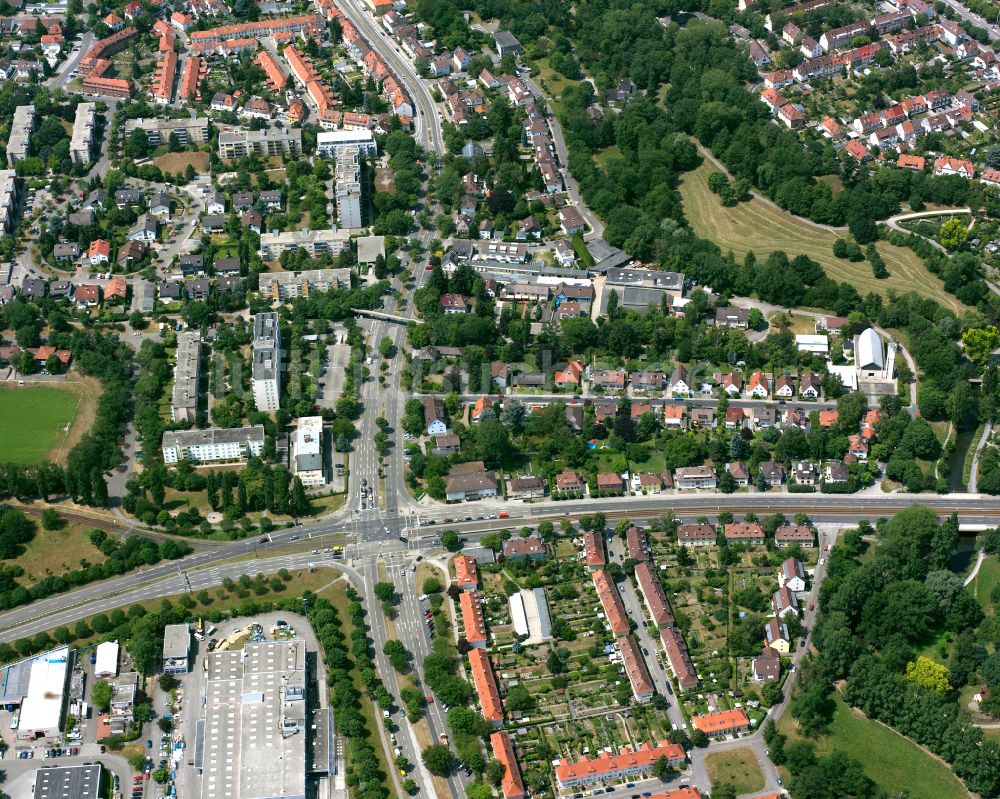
{"x":486,"y":685}
{"x":721,"y":721}
{"x":472,"y":617}
{"x":652,"y":592}
{"x":593,"y":549}
{"x":644,"y":756}
{"x":503,"y":750}
{"x":611,"y":601}
{"x":466,"y":573}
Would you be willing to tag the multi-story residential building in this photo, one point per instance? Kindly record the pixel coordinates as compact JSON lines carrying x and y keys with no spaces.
{"x":238,"y":142}
{"x":186,"y":129}
{"x":289,"y":285}
{"x":309,"y":451}
{"x":314,"y":242}
{"x":81,"y":145}
{"x":8,"y":199}
{"x":328,"y":142}
{"x":628,"y":763}
{"x":213,"y":444}
{"x":21,"y":128}
{"x":348,"y":186}
{"x":187,"y":373}
{"x":266,"y":371}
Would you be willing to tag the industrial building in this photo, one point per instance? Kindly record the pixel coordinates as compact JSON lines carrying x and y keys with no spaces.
{"x":187,"y":374}
{"x":529,"y":612}
{"x":266,"y":371}
{"x":186,"y":129}
{"x":106,"y":663}
{"x":875,"y":364}
{"x":347,"y":175}
{"x":251,"y":744}
{"x":329,"y":142}
{"x":289,"y":285}
{"x":44,"y":701}
{"x":237,"y":142}
{"x":81,"y":145}
{"x":21,"y":128}
{"x":308,"y":463}
{"x":314,"y":242}
{"x":213,"y":444}
{"x":122,"y":711}
{"x":176,"y":649}
{"x":68,"y":782}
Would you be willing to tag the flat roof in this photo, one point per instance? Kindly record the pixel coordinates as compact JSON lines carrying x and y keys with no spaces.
{"x":176,"y":641}
{"x":68,"y":782}
{"x":107,"y":658}
{"x":42,"y":707}
{"x":254,"y":739}
{"x":213,"y":435}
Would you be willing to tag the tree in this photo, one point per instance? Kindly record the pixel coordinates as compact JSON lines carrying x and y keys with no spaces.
{"x":929,"y":674}
{"x":100,"y":695}
{"x":699,"y":739}
{"x":450,"y":541}
{"x":662,"y":768}
{"x":980,"y":342}
{"x":385,"y":591}
{"x":953,"y":234}
{"x":51,"y":520}
{"x":438,"y":759}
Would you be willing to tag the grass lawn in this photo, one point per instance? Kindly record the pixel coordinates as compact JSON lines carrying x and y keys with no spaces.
{"x":986,"y":580}
{"x":178,"y":162}
{"x":738,"y":767}
{"x":893,"y":761}
{"x":755,"y":226}
{"x":34,"y":421}
{"x":603,"y":156}
{"x":56,"y":552}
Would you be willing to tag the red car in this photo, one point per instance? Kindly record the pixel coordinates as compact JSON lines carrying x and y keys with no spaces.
{"x":812,"y":606}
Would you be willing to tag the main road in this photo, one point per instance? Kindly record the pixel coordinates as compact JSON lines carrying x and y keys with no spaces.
{"x":427,"y":123}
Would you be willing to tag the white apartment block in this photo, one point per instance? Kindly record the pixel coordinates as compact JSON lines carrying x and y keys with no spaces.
{"x":348,"y":187}
{"x":314,"y":242}
{"x":237,"y":142}
{"x":309,"y":451}
{"x":81,"y":146}
{"x":266,"y":361}
{"x":8,"y":199}
{"x":21,"y":128}
{"x":213,"y":444}
{"x":329,"y":142}
{"x":187,"y":373}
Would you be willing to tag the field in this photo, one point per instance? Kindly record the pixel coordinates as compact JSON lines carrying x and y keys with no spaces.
{"x":57,"y":552}
{"x":177,"y":162}
{"x":737,"y":767}
{"x":893,"y":761}
{"x":35,"y":422}
{"x":759,"y":227}
{"x":987,"y":580}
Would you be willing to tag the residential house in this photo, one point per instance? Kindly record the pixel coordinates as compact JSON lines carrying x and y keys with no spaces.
{"x":722,"y":722}
{"x":805,"y":473}
{"x":570,"y":482}
{"x":776,"y":636}
{"x":434,"y":418}
{"x":470,"y":484}
{"x":454,"y":304}
{"x":792,"y":575}
{"x":87,"y":296}
{"x":810,"y":385}
{"x":731,"y":384}
{"x":99,"y":252}
{"x":766,"y":667}
{"x":532,"y":548}
{"x":739,"y":472}
{"x":696,"y":535}
{"x":759,"y":386}
{"x":678,"y":385}
{"x":858,"y":447}
{"x":528,"y":487}
{"x":784,"y":603}
{"x":744,"y":533}
{"x":784,"y":387}
{"x":610,"y":483}
{"x":731,"y":316}
{"x":703,"y":418}
{"x":694,"y":477}
{"x":773,"y":472}
{"x":837,"y":472}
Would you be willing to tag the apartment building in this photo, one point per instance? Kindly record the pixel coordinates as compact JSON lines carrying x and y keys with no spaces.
{"x":314,"y":242}
{"x":213,"y":444}
{"x":21,"y":128}
{"x":347,"y":175}
{"x":309,"y":451}
{"x":289,"y":285}
{"x":187,"y":130}
{"x":722,"y":722}
{"x":485,"y":683}
{"x":627,"y":763}
{"x":611,"y":601}
{"x":187,"y":373}
{"x":473,"y":621}
{"x":8,"y":199}
{"x":329,"y":142}
{"x":237,"y":142}
{"x":635,"y":669}
{"x":266,"y":372}
{"x":81,"y":145}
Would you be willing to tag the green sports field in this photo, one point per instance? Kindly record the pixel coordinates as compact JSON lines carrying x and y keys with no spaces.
{"x":34,"y":422}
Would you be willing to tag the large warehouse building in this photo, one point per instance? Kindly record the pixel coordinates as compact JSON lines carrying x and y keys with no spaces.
{"x":252,"y":742}
{"x":45,"y":699}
